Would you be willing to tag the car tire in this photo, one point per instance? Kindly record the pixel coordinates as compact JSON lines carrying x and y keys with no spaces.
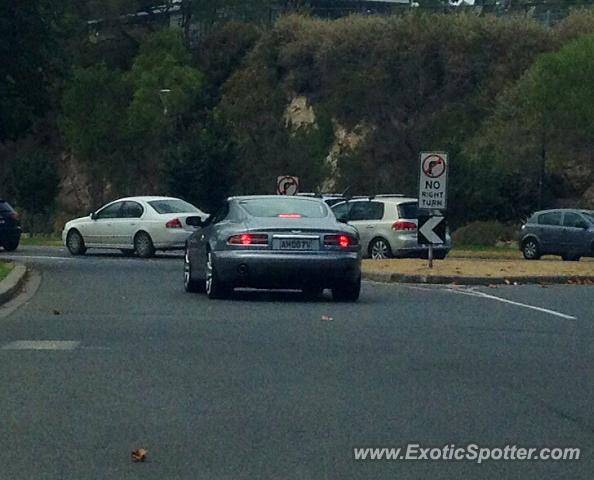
{"x":190,"y":285}
{"x":440,"y":255}
{"x":531,"y":249}
{"x":380,"y":249}
{"x":75,"y":243}
{"x":347,"y":292}
{"x":11,"y":245}
{"x":143,"y":245}
{"x":570,"y":258}
{"x":214,"y":287}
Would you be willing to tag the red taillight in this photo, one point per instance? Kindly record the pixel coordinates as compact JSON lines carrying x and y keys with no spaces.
{"x":14,"y":216}
{"x":175,"y":223}
{"x":404,"y":225}
{"x":342,"y":241}
{"x":289,"y":215}
{"x":248,"y":239}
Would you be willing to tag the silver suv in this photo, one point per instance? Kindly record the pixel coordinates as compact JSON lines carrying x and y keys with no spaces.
{"x":387,"y":226}
{"x":565,"y":232}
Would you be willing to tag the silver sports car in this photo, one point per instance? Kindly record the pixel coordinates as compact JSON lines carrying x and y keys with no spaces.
{"x":273,"y":242}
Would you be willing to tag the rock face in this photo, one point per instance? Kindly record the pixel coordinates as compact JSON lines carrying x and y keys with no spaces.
{"x":301,"y":114}
{"x":345,"y":141}
{"x":75,"y":186}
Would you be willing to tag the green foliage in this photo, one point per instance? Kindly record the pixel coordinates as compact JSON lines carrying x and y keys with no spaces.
{"x":486,"y":234}
{"x":94,"y":106}
{"x":163,"y":63}
{"x":36,"y":182}
{"x":31,"y":57}
{"x":200,"y":169}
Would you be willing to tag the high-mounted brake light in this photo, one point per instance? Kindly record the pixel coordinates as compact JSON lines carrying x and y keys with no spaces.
{"x":248,"y":239}
{"x":289,"y":215}
{"x":342,"y":241}
{"x":175,"y":223}
{"x":404,"y":225}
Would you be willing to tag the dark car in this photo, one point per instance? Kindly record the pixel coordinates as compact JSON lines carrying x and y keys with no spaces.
{"x":565,"y":232}
{"x":10,"y":227}
{"x":273,"y":242}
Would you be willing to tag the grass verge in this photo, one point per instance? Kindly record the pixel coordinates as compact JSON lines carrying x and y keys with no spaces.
{"x":480,"y":267}
{"x":41,"y":241}
{"x":5,"y":269}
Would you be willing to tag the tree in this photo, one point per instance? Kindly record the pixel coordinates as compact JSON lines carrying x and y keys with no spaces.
{"x":31,"y":57}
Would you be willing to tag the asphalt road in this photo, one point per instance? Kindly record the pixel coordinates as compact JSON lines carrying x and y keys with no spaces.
{"x":109,"y":354}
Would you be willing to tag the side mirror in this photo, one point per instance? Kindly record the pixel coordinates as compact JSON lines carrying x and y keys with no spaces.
{"x":194,"y":221}
{"x":93,"y":216}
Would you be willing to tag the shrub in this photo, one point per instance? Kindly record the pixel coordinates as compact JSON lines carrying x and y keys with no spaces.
{"x":484,"y":234}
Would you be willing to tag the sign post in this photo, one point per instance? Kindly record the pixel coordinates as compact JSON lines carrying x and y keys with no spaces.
{"x":287,"y":185}
{"x":433,"y":195}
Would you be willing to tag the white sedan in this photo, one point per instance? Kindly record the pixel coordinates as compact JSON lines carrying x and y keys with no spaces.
{"x":135,"y":224}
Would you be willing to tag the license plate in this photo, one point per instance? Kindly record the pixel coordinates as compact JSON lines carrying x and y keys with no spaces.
{"x":295,"y":244}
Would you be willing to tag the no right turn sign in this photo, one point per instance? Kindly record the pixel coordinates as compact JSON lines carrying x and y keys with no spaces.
{"x":433,"y":181}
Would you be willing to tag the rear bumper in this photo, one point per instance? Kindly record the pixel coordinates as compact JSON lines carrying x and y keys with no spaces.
{"x":287,"y":270}
{"x":170,"y":239}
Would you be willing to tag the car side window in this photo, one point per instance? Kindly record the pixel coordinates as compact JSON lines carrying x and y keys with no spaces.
{"x":550,"y":218}
{"x":571,"y":219}
{"x":367,"y":211}
{"x":112,"y":211}
{"x":132,"y":210}
{"x":342,"y":211}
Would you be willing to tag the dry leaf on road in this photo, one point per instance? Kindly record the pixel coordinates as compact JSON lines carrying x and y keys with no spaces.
{"x":139,"y":455}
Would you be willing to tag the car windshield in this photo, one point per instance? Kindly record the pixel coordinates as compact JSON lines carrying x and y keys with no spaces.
{"x":284,"y":206}
{"x":172,"y":206}
{"x":589,"y":216}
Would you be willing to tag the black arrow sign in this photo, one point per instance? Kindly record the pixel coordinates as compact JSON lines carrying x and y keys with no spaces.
{"x":431,"y":230}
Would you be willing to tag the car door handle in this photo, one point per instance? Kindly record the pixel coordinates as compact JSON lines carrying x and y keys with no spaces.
{"x":369,"y":226}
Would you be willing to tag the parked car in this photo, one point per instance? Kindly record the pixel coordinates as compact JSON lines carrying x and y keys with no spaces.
{"x":273,"y":242}
{"x":138,"y":225}
{"x":10,"y":227}
{"x":329,"y":198}
{"x":565,"y":232}
{"x":387,"y":226}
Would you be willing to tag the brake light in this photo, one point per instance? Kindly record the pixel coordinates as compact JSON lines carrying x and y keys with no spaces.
{"x":248,"y":239}
{"x":289,"y":215}
{"x":14,"y":216}
{"x":342,"y":241}
{"x":175,"y":223}
{"x":404,"y":225}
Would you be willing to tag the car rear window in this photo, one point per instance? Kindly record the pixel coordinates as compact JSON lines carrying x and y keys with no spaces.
{"x":589,"y":216}
{"x":172,"y":206}
{"x":408,"y":210}
{"x":277,"y":207}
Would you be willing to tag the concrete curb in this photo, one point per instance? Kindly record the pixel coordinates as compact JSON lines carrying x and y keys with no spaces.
{"x":11,"y":285}
{"x":387,"y":277}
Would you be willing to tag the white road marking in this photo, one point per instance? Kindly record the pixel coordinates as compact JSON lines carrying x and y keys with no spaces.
{"x":41,"y":345}
{"x":474,"y":293}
